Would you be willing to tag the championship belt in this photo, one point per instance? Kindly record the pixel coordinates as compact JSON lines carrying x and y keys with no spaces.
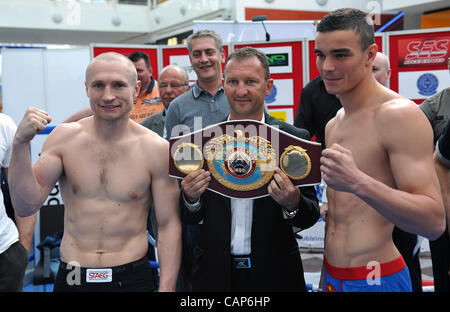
{"x":242,"y":156}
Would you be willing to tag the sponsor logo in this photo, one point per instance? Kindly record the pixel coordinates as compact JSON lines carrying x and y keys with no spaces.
{"x":278,"y":59}
{"x":425,"y":52}
{"x":272,"y":96}
{"x":98,"y":275}
{"x":427,"y":84}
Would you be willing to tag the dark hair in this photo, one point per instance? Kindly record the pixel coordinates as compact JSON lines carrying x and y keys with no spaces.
{"x":139,"y":55}
{"x":348,"y":18}
{"x":248,"y":52}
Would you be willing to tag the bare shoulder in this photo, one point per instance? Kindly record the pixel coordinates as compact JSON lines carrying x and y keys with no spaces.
{"x":332,"y":122}
{"x":63,"y":134}
{"x":154,"y":147}
{"x":149,"y":137}
{"x":400,"y":111}
{"x":400,"y":120}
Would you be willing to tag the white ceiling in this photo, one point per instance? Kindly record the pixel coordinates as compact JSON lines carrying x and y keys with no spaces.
{"x":18,"y":23}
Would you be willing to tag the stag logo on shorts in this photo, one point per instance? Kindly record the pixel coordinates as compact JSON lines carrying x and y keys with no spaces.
{"x":98,"y":275}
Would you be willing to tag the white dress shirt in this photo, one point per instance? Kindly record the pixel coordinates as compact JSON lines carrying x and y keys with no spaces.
{"x":241,"y":221}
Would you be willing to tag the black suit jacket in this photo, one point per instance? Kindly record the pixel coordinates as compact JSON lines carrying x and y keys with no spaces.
{"x":316,"y":108}
{"x":275,"y":256}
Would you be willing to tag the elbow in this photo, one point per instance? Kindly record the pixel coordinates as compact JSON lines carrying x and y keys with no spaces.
{"x":23,"y":213}
{"x":438,"y":227}
{"x":437,"y":231}
{"x":24,"y":209}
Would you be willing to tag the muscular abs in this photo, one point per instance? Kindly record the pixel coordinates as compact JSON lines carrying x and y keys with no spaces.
{"x":356,"y":233}
{"x":106,"y":204}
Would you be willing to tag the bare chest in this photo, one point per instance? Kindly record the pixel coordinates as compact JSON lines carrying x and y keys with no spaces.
{"x":362,"y":139}
{"x":116,"y":172}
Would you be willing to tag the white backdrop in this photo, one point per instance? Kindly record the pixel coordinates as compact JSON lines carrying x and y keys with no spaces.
{"x":52,"y":80}
{"x":254,"y":31}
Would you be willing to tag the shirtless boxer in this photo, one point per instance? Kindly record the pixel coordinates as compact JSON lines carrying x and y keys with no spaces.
{"x":378,"y":167}
{"x":109,"y":169}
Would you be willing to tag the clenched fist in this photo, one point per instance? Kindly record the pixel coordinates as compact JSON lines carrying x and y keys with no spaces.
{"x":339,"y":170}
{"x":33,"y":121}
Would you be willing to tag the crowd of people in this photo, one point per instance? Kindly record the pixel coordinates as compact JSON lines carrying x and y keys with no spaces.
{"x":385,"y":164}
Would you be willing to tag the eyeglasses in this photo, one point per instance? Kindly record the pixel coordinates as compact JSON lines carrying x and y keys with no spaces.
{"x":172,"y":85}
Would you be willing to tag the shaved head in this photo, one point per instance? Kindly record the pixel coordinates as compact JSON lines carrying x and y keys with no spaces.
{"x":381,"y":68}
{"x":110,"y":57}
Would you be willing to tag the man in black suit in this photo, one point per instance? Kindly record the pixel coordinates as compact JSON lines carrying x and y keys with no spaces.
{"x":249,"y":244}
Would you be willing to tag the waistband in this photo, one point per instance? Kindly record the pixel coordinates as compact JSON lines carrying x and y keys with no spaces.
{"x":115,"y":269}
{"x":362,"y":272}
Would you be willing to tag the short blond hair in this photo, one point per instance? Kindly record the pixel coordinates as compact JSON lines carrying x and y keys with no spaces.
{"x":113,"y":57}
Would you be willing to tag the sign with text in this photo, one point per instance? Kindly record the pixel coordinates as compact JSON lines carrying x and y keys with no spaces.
{"x":419,"y":63}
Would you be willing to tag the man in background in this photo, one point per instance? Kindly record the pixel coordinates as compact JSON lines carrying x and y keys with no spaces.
{"x":203,"y":105}
{"x":173,"y":81}
{"x":206,"y":102}
{"x":437,"y":110}
{"x":248,"y":244}
{"x":15,"y":239}
{"x":146,"y":103}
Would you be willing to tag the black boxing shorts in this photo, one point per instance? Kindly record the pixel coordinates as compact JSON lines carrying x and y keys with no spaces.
{"x":131,"y":277}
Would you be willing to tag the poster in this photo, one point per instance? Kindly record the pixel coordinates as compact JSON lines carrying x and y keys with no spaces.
{"x":419,"y":62}
{"x":151,"y":51}
{"x":286,"y":69}
{"x":424,"y":51}
{"x":422,"y":84}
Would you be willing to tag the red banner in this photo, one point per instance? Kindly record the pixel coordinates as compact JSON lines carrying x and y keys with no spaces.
{"x":286,"y":68}
{"x":126,"y":50}
{"x":426,"y":51}
{"x":417,"y":52}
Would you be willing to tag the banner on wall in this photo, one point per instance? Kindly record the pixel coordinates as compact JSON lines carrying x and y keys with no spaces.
{"x":245,"y":31}
{"x":282,"y":93}
{"x":178,"y":55}
{"x":282,"y":114}
{"x":419,"y":62}
{"x":422,"y":84}
{"x":286,"y":69}
{"x":280,"y":59}
{"x":151,"y":51}
{"x":426,"y":51}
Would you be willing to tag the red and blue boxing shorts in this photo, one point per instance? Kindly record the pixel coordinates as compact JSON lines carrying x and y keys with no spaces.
{"x":391,"y":276}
